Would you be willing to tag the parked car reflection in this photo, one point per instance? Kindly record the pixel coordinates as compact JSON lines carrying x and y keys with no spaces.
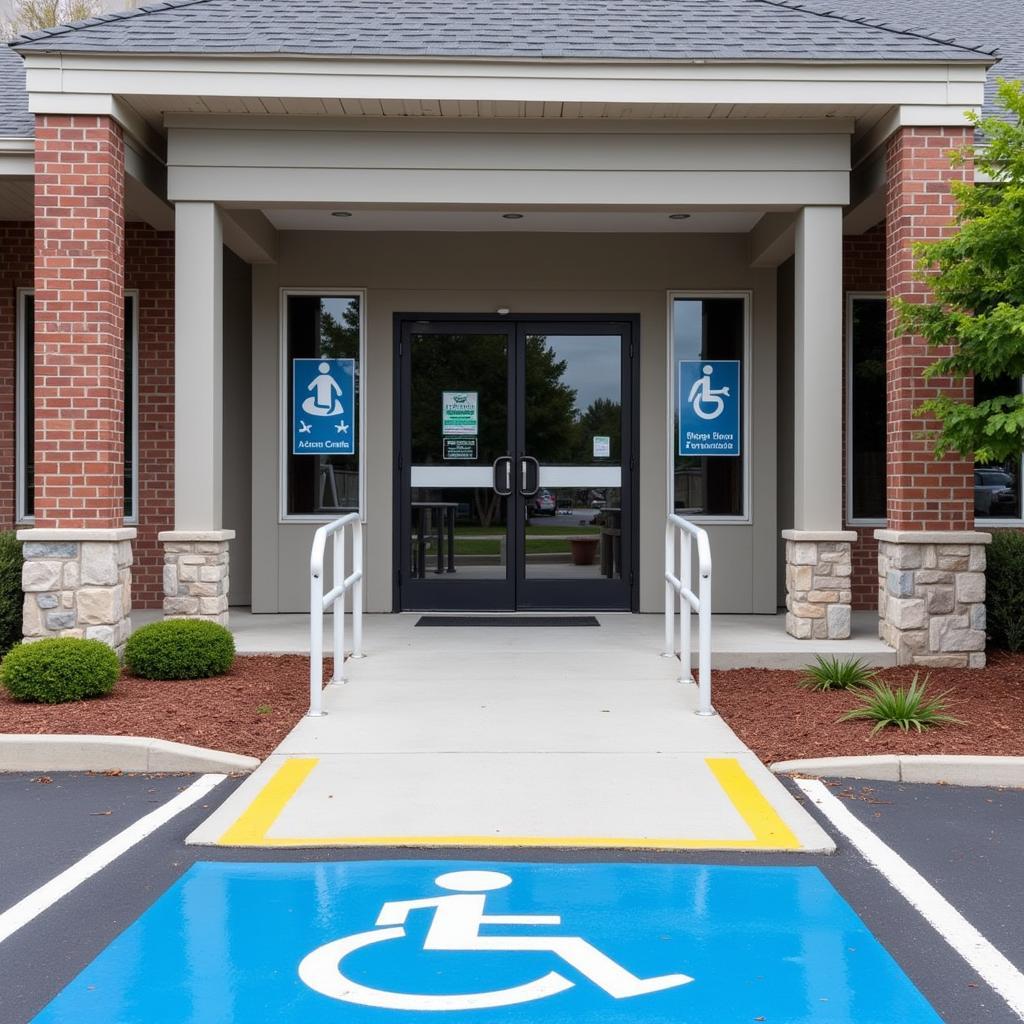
{"x":995,"y":494}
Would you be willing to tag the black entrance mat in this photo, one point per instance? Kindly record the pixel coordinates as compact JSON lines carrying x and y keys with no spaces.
{"x":508,"y":620}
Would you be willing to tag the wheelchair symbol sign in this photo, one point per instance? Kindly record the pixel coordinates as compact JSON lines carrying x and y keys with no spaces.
{"x":455,"y":927}
{"x":709,"y":407}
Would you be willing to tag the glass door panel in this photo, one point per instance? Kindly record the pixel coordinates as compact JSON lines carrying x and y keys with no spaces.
{"x":575,"y":524}
{"x":456,"y":519}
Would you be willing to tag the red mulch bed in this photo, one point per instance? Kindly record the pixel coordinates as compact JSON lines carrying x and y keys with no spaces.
{"x":247,"y":711}
{"x":781,"y":721}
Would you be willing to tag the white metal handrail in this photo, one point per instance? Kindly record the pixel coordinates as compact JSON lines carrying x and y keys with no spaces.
{"x":319,"y":602}
{"x":680,"y":586}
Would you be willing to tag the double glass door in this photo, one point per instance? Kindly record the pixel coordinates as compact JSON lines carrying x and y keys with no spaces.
{"x":515,"y":464}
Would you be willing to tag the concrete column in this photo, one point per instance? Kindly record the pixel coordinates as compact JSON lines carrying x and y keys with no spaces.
{"x":818,"y":554}
{"x":198,"y":366}
{"x":196,"y":559}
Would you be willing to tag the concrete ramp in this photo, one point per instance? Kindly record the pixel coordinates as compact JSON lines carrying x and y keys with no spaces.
{"x":516,"y":738}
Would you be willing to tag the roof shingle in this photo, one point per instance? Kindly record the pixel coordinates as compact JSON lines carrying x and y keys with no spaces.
{"x":15,"y":120}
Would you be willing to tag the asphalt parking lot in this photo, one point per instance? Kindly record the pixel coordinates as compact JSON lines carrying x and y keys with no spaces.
{"x":965,"y":842}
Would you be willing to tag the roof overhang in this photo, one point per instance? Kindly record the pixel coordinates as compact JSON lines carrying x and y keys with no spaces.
{"x":17,"y":157}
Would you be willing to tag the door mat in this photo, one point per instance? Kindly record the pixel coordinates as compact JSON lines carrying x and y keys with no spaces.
{"x":508,"y":620}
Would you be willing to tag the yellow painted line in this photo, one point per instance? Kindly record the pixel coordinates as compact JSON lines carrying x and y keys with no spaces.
{"x":252,"y":827}
{"x":768,"y":830}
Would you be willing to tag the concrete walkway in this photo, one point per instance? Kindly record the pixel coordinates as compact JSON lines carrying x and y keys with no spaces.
{"x":738,"y":641}
{"x":512,"y":737}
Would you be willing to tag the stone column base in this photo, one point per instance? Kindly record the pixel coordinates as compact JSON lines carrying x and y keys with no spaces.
{"x":77,"y":583}
{"x":819,"y":600}
{"x":196,"y":574}
{"x":931,"y":596}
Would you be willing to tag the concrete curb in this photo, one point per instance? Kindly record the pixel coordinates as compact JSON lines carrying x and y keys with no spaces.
{"x":953,"y":769}
{"x":60,"y":753}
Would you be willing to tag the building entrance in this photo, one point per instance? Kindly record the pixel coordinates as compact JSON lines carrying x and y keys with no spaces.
{"x":515,"y":463}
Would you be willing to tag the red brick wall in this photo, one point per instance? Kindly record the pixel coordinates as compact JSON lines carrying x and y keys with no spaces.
{"x":863,"y":271}
{"x":15,"y":272}
{"x":923,"y":494}
{"x":149,"y":269}
{"x":79,"y":303}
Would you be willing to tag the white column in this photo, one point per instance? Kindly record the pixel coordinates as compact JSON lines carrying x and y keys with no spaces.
{"x":198,"y":367}
{"x":818,"y":391}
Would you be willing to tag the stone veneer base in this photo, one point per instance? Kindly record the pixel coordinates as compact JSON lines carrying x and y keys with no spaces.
{"x":196,"y":574}
{"x":931,"y":596}
{"x":819,"y":598}
{"x":77,"y":583}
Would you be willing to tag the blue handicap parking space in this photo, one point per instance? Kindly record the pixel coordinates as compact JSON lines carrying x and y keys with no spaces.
{"x":379,"y":941}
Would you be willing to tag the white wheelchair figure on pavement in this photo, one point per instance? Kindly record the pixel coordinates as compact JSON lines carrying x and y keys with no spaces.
{"x":702,"y":394}
{"x":455,"y":927}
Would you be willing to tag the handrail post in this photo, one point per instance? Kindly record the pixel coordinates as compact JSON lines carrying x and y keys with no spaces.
{"x":316,"y":635}
{"x":686,"y":576}
{"x":670,"y":546}
{"x":338,"y":606}
{"x":704,"y":625}
{"x":357,"y":593}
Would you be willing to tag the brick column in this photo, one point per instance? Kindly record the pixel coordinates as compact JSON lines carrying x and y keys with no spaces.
{"x":931,"y":562}
{"x":77,"y":577}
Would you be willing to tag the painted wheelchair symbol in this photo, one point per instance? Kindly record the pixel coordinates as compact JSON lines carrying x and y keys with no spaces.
{"x":702,"y":393}
{"x":456,"y":928}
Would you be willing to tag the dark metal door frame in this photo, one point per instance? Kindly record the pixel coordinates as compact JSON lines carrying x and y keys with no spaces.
{"x":516,"y":591}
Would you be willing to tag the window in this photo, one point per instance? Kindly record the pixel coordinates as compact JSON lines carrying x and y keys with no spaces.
{"x":866,"y":409}
{"x":330,"y":327}
{"x":997,"y":486}
{"x":713,"y":328}
{"x":26,"y":407}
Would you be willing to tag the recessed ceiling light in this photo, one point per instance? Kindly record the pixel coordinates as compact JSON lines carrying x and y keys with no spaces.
{"x":340,"y":213}
{"x":512,"y":216}
{"x":679,"y":216}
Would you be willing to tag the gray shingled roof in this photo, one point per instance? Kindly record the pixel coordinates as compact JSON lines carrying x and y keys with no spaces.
{"x":998,"y":22}
{"x":610,"y":29}
{"x":15,"y":120}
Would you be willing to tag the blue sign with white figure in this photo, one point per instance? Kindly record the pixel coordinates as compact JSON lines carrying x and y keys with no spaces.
{"x":323,"y":407}
{"x":368,"y":942}
{"x":709,"y":407}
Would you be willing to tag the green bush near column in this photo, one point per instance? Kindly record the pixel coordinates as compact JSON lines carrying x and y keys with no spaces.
{"x":11,"y":597}
{"x":180,"y":649}
{"x":1004,"y":590}
{"x":59,"y":670}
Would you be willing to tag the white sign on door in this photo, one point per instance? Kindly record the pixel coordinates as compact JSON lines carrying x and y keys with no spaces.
{"x":459,"y":415}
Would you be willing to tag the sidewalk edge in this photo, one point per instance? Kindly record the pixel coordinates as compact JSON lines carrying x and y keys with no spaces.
{"x":41,"y":752}
{"x":952,"y":769}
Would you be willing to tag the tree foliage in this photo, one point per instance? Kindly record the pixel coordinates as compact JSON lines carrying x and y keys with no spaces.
{"x":977,"y":279}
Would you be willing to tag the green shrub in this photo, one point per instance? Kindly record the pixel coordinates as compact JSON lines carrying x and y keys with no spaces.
{"x":904,"y":708}
{"x":58,"y":670}
{"x":180,"y":649}
{"x":1004,"y":589}
{"x":836,"y":674}
{"x":10,"y":591}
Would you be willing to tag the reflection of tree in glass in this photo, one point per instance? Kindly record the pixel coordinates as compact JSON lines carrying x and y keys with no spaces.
{"x":340,"y":340}
{"x":602,"y":418}
{"x":550,"y":404}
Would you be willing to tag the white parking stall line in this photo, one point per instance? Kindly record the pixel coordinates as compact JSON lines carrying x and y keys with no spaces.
{"x":990,"y":964}
{"x":46,"y":895}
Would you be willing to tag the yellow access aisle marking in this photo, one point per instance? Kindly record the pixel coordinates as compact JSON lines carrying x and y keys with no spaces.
{"x":768,"y":830}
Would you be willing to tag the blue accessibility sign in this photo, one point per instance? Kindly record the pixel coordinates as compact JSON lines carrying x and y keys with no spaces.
{"x":323,"y":407}
{"x":375,"y":941}
{"x":709,"y":407}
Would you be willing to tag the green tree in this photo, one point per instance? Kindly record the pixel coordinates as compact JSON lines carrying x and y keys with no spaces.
{"x":977,"y":280}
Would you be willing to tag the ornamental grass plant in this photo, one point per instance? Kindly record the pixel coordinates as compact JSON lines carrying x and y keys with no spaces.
{"x":906,"y":708}
{"x":836,"y":674}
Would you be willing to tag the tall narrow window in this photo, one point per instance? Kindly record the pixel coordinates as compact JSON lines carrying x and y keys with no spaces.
{"x":867,"y":409}
{"x":322,"y":444}
{"x":708,"y":341}
{"x":26,"y":407}
{"x":997,"y":485}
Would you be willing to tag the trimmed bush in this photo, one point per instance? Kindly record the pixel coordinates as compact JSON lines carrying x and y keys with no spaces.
{"x":180,"y":649}
{"x":59,"y":670}
{"x":1004,"y":589}
{"x":10,"y":591}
